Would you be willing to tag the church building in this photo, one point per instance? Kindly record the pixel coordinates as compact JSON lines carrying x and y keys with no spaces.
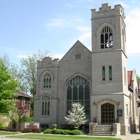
{"x":98,"y":79}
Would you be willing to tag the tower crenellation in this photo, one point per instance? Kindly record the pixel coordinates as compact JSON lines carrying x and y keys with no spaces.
{"x":107,"y":11}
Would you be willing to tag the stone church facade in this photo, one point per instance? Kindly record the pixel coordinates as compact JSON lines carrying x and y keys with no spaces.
{"x":98,"y":79}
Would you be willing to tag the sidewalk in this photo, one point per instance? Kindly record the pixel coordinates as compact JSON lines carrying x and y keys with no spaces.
{"x":123,"y":137}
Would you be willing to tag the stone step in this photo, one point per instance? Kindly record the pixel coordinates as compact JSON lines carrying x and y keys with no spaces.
{"x":103,"y":130}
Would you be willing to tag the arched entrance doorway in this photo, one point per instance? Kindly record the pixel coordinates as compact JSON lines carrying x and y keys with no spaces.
{"x":107,"y":113}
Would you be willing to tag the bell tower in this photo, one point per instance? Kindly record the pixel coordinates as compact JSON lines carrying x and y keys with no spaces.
{"x":109,"y":67}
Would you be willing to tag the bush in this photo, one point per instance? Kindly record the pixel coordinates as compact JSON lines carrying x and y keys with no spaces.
{"x":56,"y":131}
{"x":31,"y":129}
{"x":76,"y":132}
{"x":1,"y":123}
{"x":47,"y":131}
{"x":66,"y":132}
{"x":27,"y":119}
{"x":2,"y":127}
{"x":11,"y":126}
{"x":36,"y":130}
{"x":62,"y":131}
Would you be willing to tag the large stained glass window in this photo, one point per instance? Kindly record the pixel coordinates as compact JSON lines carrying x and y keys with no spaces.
{"x":78,"y":90}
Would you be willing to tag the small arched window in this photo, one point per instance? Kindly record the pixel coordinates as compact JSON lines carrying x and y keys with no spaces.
{"x":106,"y":38}
{"x":47,"y":81}
{"x":45,"y":105}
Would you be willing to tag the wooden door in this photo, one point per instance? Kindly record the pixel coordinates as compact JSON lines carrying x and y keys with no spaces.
{"x":107,"y":113}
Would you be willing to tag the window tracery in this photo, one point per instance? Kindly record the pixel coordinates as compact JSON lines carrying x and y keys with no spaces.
{"x":45,"y":105}
{"x":47,"y":81}
{"x":106,"y":38}
{"x":78,"y":90}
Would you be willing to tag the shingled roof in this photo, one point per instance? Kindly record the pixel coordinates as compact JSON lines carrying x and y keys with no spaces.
{"x":22,"y":94}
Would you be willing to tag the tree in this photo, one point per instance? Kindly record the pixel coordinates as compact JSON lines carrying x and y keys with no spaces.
{"x":138,"y":78}
{"x":29,"y":70}
{"x":15,"y":72}
{"x":28,"y":73}
{"x":77,"y":115}
{"x":8,"y":86}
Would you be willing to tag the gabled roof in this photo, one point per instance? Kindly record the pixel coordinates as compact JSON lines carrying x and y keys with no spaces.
{"x":75,"y":45}
{"x":21,"y":94}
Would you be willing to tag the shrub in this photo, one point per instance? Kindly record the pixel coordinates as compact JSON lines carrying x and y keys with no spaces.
{"x":76,"y":132}
{"x":47,"y":131}
{"x":27,"y":119}
{"x":56,"y":131}
{"x":36,"y":130}
{"x":2,"y":127}
{"x":11,"y":126}
{"x":31,"y":129}
{"x":62,"y":131}
{"x":1,"y":123}
{"x":66,"y":132}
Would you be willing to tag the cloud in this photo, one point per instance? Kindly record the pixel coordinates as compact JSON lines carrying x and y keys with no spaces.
{"x":123,"y":4}
{"x":132,"y":31}
{"x":59,"y":23}
{"x":85,"y":36}
{"x":71,"y":5}
{"x":82,"y":1}
{"x":134,"y":1}
{"x":83,"y":28}
{"x":58,"y":56}
{"x":22,"y":56}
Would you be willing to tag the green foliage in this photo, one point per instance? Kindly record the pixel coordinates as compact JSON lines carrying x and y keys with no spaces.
{"x":138,"y":78}
{"x":56,"y":131}
{"x":48,"y":131}
{"x":62,"y":131}
{"x":2,"y":126}
{"x":8,"y":86}
{"x":27,"y":119}
{"x":76,"y":132}
{"x":66,"y":132}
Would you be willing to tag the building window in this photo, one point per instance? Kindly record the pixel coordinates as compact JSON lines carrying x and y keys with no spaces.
{"x":77,"y":56}
{"x":23,"y":101}
{"x":47,"y":81}
{"x":106,"y":38}
{"x":78,"y":90}
{"x":103,"y":73}
{"x":45,"y":105}
{"x":110,"y":73}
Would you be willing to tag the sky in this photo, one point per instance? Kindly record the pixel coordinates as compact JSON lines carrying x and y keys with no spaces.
{"x":27,"y":26}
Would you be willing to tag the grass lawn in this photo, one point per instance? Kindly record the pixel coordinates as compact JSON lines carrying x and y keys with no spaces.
{"x":7,"y":133}
{"x":62,"y":137}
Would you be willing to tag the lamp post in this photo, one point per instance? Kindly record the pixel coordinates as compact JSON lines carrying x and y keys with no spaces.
{"x":19,"y":113}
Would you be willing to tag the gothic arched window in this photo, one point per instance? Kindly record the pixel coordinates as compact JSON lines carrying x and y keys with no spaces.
{"x":47,"y":81}
{"x":45,"y":105}
{"x":78,"y":90}
{"x":106,"y":38}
